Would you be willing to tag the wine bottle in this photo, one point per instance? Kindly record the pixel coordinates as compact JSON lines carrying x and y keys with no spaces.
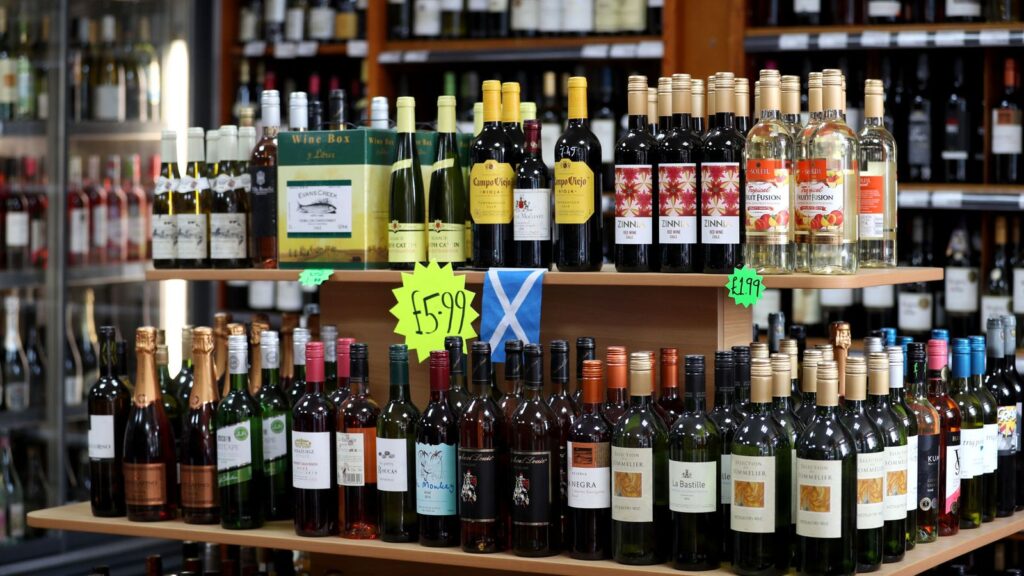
{"x":509,"y":402}
{"x":894,"y":435}
{"x":446,"y":218}
{"x":791,"y":348}
{"x":192,"y":207}
{"x":149,"y":459}
{"x":990,"y":435}
{"x":314,"y":460}
{"x":578,"y":187}
{"x":458,"y":397}
{"x":741,"y":105}
{"x":212,"y":155}
{"x":492,"y":179}
{"x":397,"y":428}
{"x":809,"y":387}
{"x":741,"y":360}
{"x":566,"y":413}
{"x":220,"y":349}
{"x":697,"y":124}
{"x":669,"y":405}
{"x":98,"y":234}
{"x":827,"y":485}
{"x":400,"y":19}
{"x":806,"y":182}
{"x":239,"y":445}
{"x":329,"y":336}
{"x":300,"y":337}
{"x":1013,"y":379}
{"x":17,"y":387}
{"x":678,"y":154}
{"x":533,"y":443}
{"x":175,"y":412}
{"x":791,"y":106}
{"x":961,"y":284}
{"x":695,"y":452}
{"x":919,"y":125}
{"x":532,"y":204}
{"x":972,"y":437}
{"x":108,"y":415}
{"x":1006,"y":128}
{"x":957,"y":155}
{"x":639,"y":465}
{"x":727,"y":419}
{"x":406,"y":210}
{"x":928,"y":430}
{"x":12,"y":493}
{"x":949,"y":440}
{"x":785,"y":418}
{"x":723,"y":178}
{"x":877,"y":190}
{"x":497,"y":18}
{"x":164,"y":224}
{"x":666,"y":115}
{"x":481,"y":431}
{"x":263,"y":194}
{"x":453,"y":18}
{"x":636,"y":188}
{"x":997,"y":295}
{"x":589,"y":473}
{"x":615,"y":397}
{"x":427,"y":19}
{"x":200,"y":494}
{"x":229,"y":207}
{"x":108,"y":75}
{"x":1006,"y":408}
{"x":898,"y":404}
{"x":511,"y":122}
{"x":357,"y":432}
{"x":276,"y":426}
{"x":435,"y":461}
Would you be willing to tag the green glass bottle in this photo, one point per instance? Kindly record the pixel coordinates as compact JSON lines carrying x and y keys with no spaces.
{"x":446,"y":227}
{"x":894,"y":434}
{"x":171,"y":406}
{"x":760,"y":486}
{"x":192,"y":202}
{"x":276,"y":423}
{"x":868,"y":439}
{"x":396,"y":452}
{"x":407,"y":242}
{"x":972,"y":437}
{"x":785,"y":417}
{"x":300,"y":337}
{"x":898,"y":403}
{"x":989,"y":411}
{"x":640,"y":473}
{"x":239,"y":445}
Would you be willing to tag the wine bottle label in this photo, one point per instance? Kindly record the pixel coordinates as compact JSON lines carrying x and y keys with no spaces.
{"x":632,"y":484}
{"x":912,"y":478}
{"x":532,"y":214}
{"x":451,"y":5}
{"x":895,"y":482}
{"x":477,"y":478}
{"x":192,"y":242}
{"x":406,"y":242}
{"x":73,"y":390}
{"x":753,"y":494}
{"x":692,"y":487}
{"x":471,"y":5}
{"x":311,"y":460}
{"x":720,"y":203}
{"x":108,"y":102}
{"x":392,"y":465}
{"x":725,"y":480}
{"x":275,"y":445}
{"x":234,"y":454}
{"x":227,"y":236}
{"x":606,"y":20}
{"x":145,"y":484}
{"x":16,"y":520}
{"x":993,"y":307}
{"x":807,"y":6}
{"x":4,"y":537}
{"x":490,"y":192}
{"x":870,"y":490}
{"x":356,"y":457}
{"x":294,"y":24}
{"x":427,"y":20}
{"x":198,"y":486}
{"x":165,"y":184}
{"x":550,"y":16}
{"x":961,"y":289}
{"x":7,"y":81}
{"x":16,"y":233}
{"x":883,"y":9}
{"x":677,"y":200}
{"x":578,"y":16}
{"x":792,"y":477}
{"x":589,"y":475}
{"x":274,"y":10}
{"x":963,"y":8}
{"x":820,"y":493}
{"x":821,"y":202}
{"x":532,"y":492}
{"x":1006,"y":131}
{"x":101,"y":437}
{"x":321,"y":22}
{"x":879,"y":296}
{"x":574,"y":192}
{"x":951,"y":496}
{"x":991,"y":454}
{"x":1008,"y":433}
{"x":604,"y":128}
{"x":263,"y":201}
{"x":319,"y":208}
{"x":919,"y":139}
{"x":435,"y":479}
{"x":78,"y":234}
{"x":99,"y":229}
{"x":634,"y":204}
{"x":768,"y":210}
{"x":115,"y":227}
{"x":497,"y":6}
{"x":915,"y":311}
{"x":633,"y":15}
{"x":972,"y":456}
{"x":873,"y":190}
{"x":16,"y":395}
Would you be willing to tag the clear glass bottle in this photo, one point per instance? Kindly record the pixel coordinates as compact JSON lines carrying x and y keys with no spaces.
{"x":769,"y":158}
{"x":877,"y":201}
{"x":801,"y":234}
{"x":833,"y":179}
{"x":791,"y":105}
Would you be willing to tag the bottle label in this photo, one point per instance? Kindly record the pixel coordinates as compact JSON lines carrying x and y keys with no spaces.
{"x":525,"y":16}
{"x":963,"y":8}
{"x":115,"y":226}
{"x":244,"y":181}
{"x":16,"y":234}
{"x":993,"y":307}
{"x":247,"y":25}
{"x":435,"y":479}
{"x":915,"y":311}
{"x":311,"y":460}
{"x":725,"y":481}
{"x":919,"y":140}
{"x":471,"y":5}
{"x":355,"y":449}
{"x":753,"y":494}
{"x":807,"y":6}
{"x":677,"y":200}
{"x":879,"y":296}
{"x":632,"y":484}
{"x":972,"y":463}
{"x":227,"y":236}
{"x":319,"y":209}
{"x":192,"y":238}
{"x":951,"y":502}
{"x":16,"y":520}
{"x":446,"y":241}
{"x":928,"y":472}
{"x":321,"y":20}
{"x":990,"y":454}
{"x":490,"y":192}
{"x":78,"y":236}
{"x":692,"y":486}
{"x":767,"y":195}
{"x":1018,"y":290}
{"x":451,"y":5}
{"x":574,"y":192}
{"x":1007,"y":423}
{"x":164,"y":184}
{"x":224,"y":183}
{"x":427,"y":20}
{"x":578,"y":15}
{"x":275,"y":445}
{"x":392,"y":465}
{"x":720,"y":202}
{"x":875,"y":188}
{"x":550,"y":16}
{"x":912,"y":478}
{"x":145,"y":484}
{"x":1016,"y":437}
{"x":7,"y":80}
{"x":478,"y":478}
{"x":497,"y":6}
{"x":198,"y":486}
{"x":634,"y":209}
{"x":589,"y":475}
{"x":633,"y":15}
{"x":99,"y":229}
{"x":883,"y":9}
{"x":961,"y":289}
{"x":108,"y":102}
{"x":532,"y":491}
{"x":870,"y":490}
{"x":821,"y":205}
{"x":101,"y":437}
{"x":1006,"y":131}
{"x":532,"y":214}
{"x":16,"y":395}
{"x":234,"y":454}
{"x":406,"y":242}
{"x":73,"y":389}
{"x":604,"y":128}
{"x":188,"y":184}
{"x":820,"y":493}
{"x":294,"y":24}
{"x":895,"y":482}
{"x":263,"y":201}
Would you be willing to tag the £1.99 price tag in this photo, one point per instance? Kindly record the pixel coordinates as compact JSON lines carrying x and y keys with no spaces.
{"x":745,"y":286}
{"x":431,"y":304}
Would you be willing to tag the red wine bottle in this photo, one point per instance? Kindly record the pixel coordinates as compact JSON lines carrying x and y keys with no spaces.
{"x":491,"y":180}
{"x":108,"y":415}
{"x":313,"y":457}
{"x":723,"y":178}
{"x":679,"y":186}
{"x":589,"y":473}
{"x":566,"y":413}
{"x":670,"y":404}
{"x":436,"y":463}
{"x":532,"y":210}
{"x":357,"y":454}
{"x":636,"y":188}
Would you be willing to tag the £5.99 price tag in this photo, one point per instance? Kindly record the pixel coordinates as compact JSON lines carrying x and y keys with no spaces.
{"x":431,"y":304}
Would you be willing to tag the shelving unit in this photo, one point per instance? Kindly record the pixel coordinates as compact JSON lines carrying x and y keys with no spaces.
{"x":880,"y":37}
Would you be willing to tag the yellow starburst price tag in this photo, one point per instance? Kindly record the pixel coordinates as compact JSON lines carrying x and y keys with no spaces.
{"x":431,"y":304}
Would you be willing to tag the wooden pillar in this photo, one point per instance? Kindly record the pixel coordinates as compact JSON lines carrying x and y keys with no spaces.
{"x":704,"y":37}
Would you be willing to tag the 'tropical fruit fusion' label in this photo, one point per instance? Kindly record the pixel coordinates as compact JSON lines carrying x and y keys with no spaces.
{"x":767,"y":195}
{"x":634,"y":199}
{"x":720,"y":202}
{"x":821,"y":203}
{"x":677,"y":203}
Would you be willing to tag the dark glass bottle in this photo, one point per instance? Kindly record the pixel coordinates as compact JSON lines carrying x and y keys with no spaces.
{"x":509,"y":402}
{"x":239,"y":444}
{"x":399,"y":20}
{"x":989,"y":410}
{"x":566,"y":413}
{"x":533,"y":442}
{"x":446,"y":217}
{"x":108,"y":402}
{"x":785,"y":418}
{"x":200,"y":494}
{"x":263,"y":193}
{"x":809,"y":387}
{"x":532,"y":198}
{"x":695,"y":452}
{"x":894,"y":435}
{"x":919,"y":126}
{"x":949,"y":439}
{"x":356,"y":437}
{"x":898,"y":404}
{"x":436,"y":438}
{"x":928,"y":439}
{"x":723,"y":178}
{"x":407,"y":235}
{"x":175,"y":412}
{"x":678,"y":186}
{"x":615,"y":397}
{"x":491,"y":181}
{"x":589,"y":464}
{"x":972,"y":437}
{"x":961,"y":283}
{"x":636,"y":188}
{"x":510,"y":121}
{"x":727,"y":419}
{"x":586,"y":349}
{"x":397,"y":428}
{"x":669,"y":404}
{"x":741,"y":358}
{"x":1006,"y":128}
{"x":458,"y":396}
{"x":276,"y":425}
{"x":183,"y":380}
{"x":957,"y":156}
{"x":314,"y":422}
{"x":1013,"y":379}
{"x":298,"y":387}
{"x":480,"y":474}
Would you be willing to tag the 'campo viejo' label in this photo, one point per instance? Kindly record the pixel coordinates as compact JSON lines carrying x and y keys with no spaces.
{"x":767,"y":195}
{"x":574,"y":192}
{"x":634,"y":209}
{"x":720,"y":202}
{"x":677,"y":203}
{"x":490,"y":192}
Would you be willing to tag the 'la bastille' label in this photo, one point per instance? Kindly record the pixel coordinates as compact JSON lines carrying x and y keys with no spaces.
{"x":574,"y":192}
{"x":490,"y":192}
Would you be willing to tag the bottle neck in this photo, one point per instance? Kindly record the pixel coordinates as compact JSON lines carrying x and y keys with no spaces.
{"x":399,"y":385}
{"x":724,"y":388}
{"x":271,"y":377}
{"x":534,"y":391}
{"x":936,"y":383}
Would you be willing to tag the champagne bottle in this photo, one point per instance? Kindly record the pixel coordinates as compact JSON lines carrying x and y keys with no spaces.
{"x":239,"y":445}
{"x":636,"y":187}
{"x":446,"y":227}
{"x":396,"y":450}
{"x":108,"y":415}
{"x":492,"y":179}
{"x":200,"y":494}
{"x":577,"y":188}
{"x":192,"y":207}
{"x":406,"y":210}
{"x":276,"y":425}
{"x":165,"y":225}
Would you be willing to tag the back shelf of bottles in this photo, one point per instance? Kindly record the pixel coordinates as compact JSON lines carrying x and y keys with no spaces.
{"x":522,"y":49}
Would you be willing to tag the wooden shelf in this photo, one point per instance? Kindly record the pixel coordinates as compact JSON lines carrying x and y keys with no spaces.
{"x":608,"y":277}
{"x":281,"y":535}
{"x":519,"y":49}
{"x":870,"y":37}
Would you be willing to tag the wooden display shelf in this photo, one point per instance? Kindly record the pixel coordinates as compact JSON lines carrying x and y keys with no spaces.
{"x":281,"y":535}
{"x":607,"y":277}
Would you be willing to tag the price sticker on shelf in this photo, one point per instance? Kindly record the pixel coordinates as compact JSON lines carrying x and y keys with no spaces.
{"x":284,"y":50}
{"x":254,"y":49}
{"x":357,"y":48}
{"x":875,"y":39}
{"x":431,"y":304}
{"x":794,"y":41}
{"x":833,"y":40}
{"x":911,"y":39}
{"x":950,"y":38}
{"x":994,"y":37}
{"x":314,"y":276}
{"x":745,"y":286}
{"x":306,"y":49}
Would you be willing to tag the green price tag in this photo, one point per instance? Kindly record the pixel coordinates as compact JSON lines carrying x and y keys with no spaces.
{"x":314,"y":276}
{"x":745,"y":286}
{"x":431,"y":304}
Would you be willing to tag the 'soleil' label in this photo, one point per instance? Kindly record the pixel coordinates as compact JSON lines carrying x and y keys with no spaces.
{"x":820,"y":495}
{"x":677,"y":203}
{"x":767,"y":219}
{"x":753,"y":494}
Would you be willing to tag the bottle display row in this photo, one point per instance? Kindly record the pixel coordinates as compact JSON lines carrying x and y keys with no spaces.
{"x":22,"y":487}
{"x":824,"y":458}
{"x":301,"y":20}
{"x":852,"y":12}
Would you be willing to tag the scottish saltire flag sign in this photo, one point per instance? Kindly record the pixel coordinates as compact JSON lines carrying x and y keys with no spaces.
{"x":511,"y":307}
